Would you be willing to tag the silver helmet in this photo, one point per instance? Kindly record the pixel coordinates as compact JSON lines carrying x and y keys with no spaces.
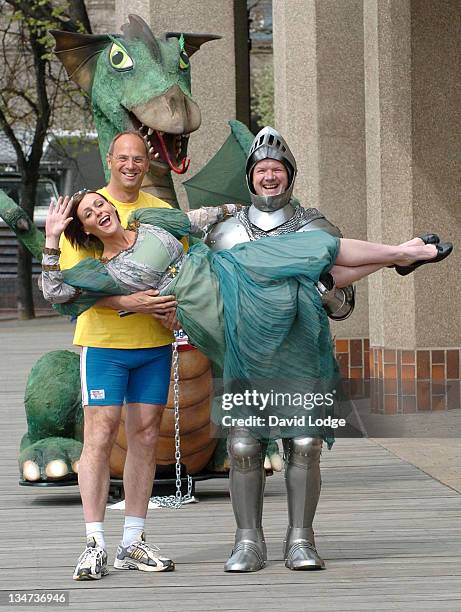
{"x":269,"y":144}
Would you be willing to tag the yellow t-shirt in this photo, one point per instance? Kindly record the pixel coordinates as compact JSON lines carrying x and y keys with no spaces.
{"x":103,"y":327}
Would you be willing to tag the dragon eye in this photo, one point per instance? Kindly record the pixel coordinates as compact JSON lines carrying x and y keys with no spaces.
{"x":119,"y":58}
{"x":183,"y":60}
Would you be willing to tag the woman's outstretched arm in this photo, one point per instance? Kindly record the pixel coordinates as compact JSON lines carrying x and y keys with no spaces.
{"x":200,"y":218}
{"x":51,"y":281}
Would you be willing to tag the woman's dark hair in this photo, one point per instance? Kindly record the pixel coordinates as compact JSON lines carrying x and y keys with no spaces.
{"x":74,"y":231}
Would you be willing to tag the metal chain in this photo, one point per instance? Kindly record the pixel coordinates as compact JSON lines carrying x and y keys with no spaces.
{"x":177,"y":500}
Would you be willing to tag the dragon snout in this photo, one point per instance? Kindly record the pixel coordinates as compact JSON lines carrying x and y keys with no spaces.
{"x":172,"y":112}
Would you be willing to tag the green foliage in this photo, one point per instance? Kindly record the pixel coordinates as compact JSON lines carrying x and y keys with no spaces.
{"x":35,"y":97}
{"x":262,"y":100}
{"x":40,"y":16}
{"x":34,"y":89}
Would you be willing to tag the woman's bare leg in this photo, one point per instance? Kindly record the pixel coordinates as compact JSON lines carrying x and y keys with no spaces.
{"x":346,"y":275}
{"x":353,"y":253}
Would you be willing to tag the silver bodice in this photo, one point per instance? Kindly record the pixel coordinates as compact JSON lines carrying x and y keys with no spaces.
{"x":151,"y":262}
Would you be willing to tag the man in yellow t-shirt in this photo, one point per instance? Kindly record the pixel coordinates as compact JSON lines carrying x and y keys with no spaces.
{"x":123,"y":360}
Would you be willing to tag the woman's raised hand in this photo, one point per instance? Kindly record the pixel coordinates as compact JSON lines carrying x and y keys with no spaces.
{"x":58,"y":217}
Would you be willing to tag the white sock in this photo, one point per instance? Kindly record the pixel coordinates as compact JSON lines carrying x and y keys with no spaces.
{"x":96,"y":531}
{"x":132,"y":528}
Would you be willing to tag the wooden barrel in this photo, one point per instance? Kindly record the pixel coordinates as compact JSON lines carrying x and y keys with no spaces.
{"x":197,"y":440}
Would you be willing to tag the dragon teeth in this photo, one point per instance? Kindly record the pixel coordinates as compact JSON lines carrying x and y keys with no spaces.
{"x":157,"y":155}
{"x":150,"y":131}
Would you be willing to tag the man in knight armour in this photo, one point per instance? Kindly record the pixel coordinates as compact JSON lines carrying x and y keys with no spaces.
{"x":270,"y":173}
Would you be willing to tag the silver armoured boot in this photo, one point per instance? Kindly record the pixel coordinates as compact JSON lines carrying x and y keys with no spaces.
{"x":303,"y":483}
{"x":249,"y":553}
{"x":246,"y":482}
{"x":299,"y":550}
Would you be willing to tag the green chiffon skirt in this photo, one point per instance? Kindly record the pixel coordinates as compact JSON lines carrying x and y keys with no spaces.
{"x":254,"y":310}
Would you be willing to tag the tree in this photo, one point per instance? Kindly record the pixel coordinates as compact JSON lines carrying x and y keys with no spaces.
{"x":262,"y":100}
{"x":35,"y":97}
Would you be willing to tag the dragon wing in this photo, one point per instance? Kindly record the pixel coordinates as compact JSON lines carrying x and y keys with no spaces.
{"x":222,"y":179}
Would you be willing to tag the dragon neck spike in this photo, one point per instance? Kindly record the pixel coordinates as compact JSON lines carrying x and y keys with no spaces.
{"x":138,"y":29}
{"x":192,"y":42}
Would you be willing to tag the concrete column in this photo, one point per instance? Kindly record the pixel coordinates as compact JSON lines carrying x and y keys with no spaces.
{"x":412,"y":100}
{"x":319,"y":108}
{"x":220,"y":79}
{"x":436,"y":119}
{"x":389,"y":164}
{"x":412,"y":118}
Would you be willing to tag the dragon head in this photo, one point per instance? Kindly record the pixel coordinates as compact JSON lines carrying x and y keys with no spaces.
{"x":137,"y":81}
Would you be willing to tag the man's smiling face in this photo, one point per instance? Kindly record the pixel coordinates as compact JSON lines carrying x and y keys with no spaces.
{"x":128,"y":163}
{"x":270,"y":178}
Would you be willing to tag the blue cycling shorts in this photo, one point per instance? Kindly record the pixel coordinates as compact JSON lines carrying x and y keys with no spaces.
{"x":117,"y":376}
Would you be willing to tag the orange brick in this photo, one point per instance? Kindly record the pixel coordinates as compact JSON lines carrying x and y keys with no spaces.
{"x":408,"y":387}
{"x":356,"y":352}
{"x":453,"y":364}
{"x":390,"y":404}
{"x":453,"y":395}
{"x":390,"y":356}
{"x":366,"y":361}
{"x":409,"y":403}
{"x":390,"y":371}
{"x":423,"y":395}
{"x":371,"y":358}
{"x":380,"y":364}
{"x":423,"y":364}
{"x":356,"y":372}
{"x":408,"y":372}
{"x":438,"y":372}
{"x":342,"y":346}
{"x":390,"y":385}
{"x":408,"y":357}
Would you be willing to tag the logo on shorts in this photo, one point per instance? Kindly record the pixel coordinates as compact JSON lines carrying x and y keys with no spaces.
{"x":97,"y":394}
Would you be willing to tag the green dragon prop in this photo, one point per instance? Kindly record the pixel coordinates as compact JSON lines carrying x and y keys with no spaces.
{"x":136,"y":81}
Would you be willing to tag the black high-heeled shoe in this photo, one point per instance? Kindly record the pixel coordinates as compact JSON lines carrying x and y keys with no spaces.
{"x":443,"y":250}
{"x":427,"y":239}
{"x":430,"y":238}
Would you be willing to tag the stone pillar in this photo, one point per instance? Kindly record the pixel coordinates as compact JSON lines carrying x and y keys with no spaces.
{"x":319,"y":109}
{"x":412,"y":141}
{"x":220,"y":78}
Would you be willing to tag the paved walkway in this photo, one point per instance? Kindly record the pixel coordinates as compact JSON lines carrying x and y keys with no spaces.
{"x":389,"y":532}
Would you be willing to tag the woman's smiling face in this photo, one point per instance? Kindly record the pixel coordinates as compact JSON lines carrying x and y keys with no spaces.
{"x":98,"y":216}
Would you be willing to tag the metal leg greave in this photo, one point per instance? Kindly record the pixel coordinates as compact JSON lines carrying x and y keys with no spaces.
{"x":303,"y":483}
{"x":246,"y":482}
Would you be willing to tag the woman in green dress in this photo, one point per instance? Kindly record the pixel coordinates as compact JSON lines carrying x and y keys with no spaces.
{"x":254,"y":310}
